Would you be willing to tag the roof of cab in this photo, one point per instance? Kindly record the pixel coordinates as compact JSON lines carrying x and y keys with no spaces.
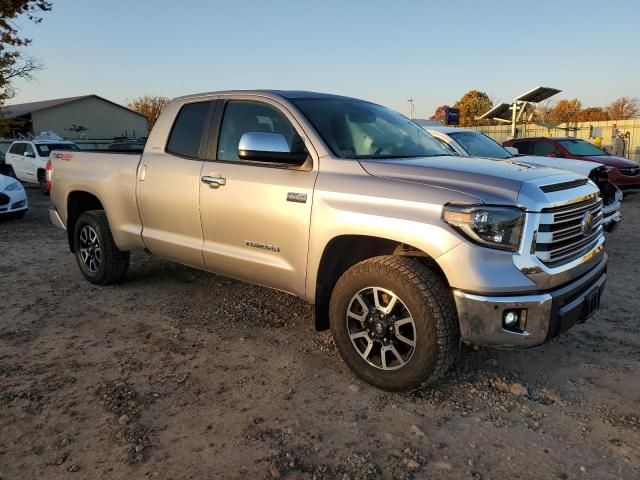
{"x":288,"y":94}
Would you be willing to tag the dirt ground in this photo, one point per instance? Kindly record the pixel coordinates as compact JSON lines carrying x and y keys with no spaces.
{"x":179,"y":374}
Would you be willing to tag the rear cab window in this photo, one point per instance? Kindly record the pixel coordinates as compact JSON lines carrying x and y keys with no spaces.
{"x":186,"y":133}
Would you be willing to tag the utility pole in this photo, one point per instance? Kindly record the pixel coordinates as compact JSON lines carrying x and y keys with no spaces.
{"x":410,"y":108}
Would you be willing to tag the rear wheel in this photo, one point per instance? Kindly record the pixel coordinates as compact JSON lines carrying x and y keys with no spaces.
{"x":394,"y":323}
{"x":10,"y":172}
{"x":97,"y":255}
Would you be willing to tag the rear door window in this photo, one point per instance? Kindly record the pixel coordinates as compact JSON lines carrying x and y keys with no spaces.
{"x":186,"y":133}
{"x":17,"y":148}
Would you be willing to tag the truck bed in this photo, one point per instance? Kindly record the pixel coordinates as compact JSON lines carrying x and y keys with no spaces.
{"x":110,"y":178}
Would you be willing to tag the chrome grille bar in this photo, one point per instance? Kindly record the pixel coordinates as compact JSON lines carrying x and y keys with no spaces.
{"x":561,"y":234}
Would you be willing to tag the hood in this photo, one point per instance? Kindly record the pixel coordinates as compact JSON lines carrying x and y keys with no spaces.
{"x":577,"y":166}
{"x":611,"y":161}
{"x":493,"y":181}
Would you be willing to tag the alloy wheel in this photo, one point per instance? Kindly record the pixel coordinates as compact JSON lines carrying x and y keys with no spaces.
{"x":381,"y":328}
{"x":90,"y":251}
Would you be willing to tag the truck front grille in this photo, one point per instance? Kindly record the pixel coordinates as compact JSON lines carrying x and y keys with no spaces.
{"x":569,"y":231}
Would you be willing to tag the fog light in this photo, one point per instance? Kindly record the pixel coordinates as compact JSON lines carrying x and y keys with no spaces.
{"x":510,"y":318}
{"x":515,"y":320}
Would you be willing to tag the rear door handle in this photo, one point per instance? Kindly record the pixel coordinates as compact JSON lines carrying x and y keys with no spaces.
{"x":213,"y":182}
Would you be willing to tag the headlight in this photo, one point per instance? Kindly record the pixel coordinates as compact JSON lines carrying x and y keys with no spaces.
{"x":496,"y":227}
{"x":12,"y":187}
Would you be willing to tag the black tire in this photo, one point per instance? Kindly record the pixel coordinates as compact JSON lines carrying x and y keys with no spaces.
{"x":430,"y":303}
{"x":42,"y":183}
{"x":10,"y":172}
{"x":113,"y":263}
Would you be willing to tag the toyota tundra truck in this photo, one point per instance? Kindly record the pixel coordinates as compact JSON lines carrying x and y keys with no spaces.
{"x":404,"y":250}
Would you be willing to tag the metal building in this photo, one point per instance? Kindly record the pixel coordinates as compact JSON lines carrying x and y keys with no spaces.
{"x":86,"y":116}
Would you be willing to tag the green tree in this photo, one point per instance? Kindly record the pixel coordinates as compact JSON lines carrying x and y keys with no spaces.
{"x":471,"y":105}
{"x":13,"y":63}
{"x":150,"y":106}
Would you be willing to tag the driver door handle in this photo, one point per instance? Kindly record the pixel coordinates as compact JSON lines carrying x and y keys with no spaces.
{"x":213,"y":182}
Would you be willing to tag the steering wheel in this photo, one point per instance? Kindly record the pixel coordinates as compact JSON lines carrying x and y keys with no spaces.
{"x":383,"y":147}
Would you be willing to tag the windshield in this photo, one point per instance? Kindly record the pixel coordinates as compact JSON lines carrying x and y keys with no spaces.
{"x":44,"y":149}
{"x":581,"y":148}
{"x":477,"y":144}
{"x":357,"y":129}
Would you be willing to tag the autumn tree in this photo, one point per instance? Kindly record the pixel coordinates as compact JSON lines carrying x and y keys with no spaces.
{"x":592,"y":114}
{"x":440,"y":114}
{"x":623,"y":108}
{"x":565,"y":111}
{"x":471,"y":105}
{"x":150,"y":106}
{"x":13,"y":63}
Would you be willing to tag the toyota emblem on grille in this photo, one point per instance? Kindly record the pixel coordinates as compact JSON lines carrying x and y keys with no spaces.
{"x":587,"y":223}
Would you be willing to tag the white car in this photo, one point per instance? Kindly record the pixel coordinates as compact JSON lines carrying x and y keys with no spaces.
{"x":27,"y":159}
{"x":13,"y":198}
{"x":471,"y":143}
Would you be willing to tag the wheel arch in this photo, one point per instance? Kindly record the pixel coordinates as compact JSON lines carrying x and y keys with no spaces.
{"x":344,"y":251}
{"x":78,"y":202}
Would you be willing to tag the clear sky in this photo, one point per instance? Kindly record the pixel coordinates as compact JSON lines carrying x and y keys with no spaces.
{"x":385,"y":51}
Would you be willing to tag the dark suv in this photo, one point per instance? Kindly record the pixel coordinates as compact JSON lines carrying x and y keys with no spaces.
{"x":623,"y":173}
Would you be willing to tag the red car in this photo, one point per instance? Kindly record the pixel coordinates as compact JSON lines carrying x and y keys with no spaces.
{"x":623,"y":173}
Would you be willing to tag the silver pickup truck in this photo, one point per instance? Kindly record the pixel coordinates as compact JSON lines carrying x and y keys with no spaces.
{"x":404,"y":250}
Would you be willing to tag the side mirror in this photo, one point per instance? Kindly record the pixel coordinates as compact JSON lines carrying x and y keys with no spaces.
{"x":268,"y":147}
{"x":29,"y":154}
{"x":512,"y":150}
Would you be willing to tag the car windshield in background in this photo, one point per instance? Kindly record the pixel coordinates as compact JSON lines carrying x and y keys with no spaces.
{"x":479,"y":145}
{"x":44,"y":149}
{"x":356,"y":129}
{"x":581,"y":148}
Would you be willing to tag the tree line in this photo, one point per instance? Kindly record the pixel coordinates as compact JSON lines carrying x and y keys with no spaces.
{"x":475,"y":103}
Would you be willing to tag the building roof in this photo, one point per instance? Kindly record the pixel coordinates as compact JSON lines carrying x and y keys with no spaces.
{"x":21,"y":109}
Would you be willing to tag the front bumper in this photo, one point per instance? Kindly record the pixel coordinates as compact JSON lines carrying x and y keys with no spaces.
{"x":13,"y":201}
{"x":548,"y":314}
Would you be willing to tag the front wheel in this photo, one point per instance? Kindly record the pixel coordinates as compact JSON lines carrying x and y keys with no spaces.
{"x":394,"y":322}
{"x":97,"y":255}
